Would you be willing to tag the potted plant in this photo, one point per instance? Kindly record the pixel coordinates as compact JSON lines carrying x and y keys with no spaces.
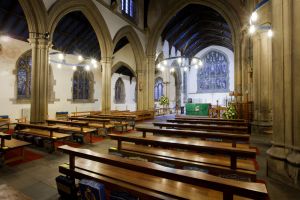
{"x":230,"y":113}
{"x":164,"y":101}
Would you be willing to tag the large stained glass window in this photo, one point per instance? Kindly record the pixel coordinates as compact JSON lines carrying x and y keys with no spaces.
{"x":119,"y":91}
{"x":128,"y":8}
{"x":81,"y":84}
{"x":24,"y":76}
{"x":213,"y":77}
{"x":158,"y":89}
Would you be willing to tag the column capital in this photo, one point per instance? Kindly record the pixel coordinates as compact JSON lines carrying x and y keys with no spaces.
{"x":106,"y":60}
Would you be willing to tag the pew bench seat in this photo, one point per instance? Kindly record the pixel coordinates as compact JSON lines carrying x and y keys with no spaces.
{"x":213,"y":164}
{"x":12,"y":150}
{"x":44,"y":133}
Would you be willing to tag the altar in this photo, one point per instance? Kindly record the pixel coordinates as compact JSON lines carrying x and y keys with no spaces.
{"x":200,"y":109}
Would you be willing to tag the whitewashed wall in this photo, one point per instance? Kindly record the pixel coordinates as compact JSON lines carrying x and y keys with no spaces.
{"x":125,"y":55}
{"x":11,"y":51}
{"x":130,"y":103}
{"x":210,"y":97}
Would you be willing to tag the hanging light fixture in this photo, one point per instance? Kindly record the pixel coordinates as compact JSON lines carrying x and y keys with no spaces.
{"x":183,"y":63}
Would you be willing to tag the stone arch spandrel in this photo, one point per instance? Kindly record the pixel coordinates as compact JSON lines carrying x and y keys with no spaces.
{"x":119,"y":64}
{"x":90,"y":11}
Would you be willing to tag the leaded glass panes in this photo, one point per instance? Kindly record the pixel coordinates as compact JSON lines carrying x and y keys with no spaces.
{"x":213,"y":77}
{"x":24,"y":76}
{"x":128,"y":8}
{"x":158,"y":89}
{"x":119,"y":91}
{"x":81,"y":84}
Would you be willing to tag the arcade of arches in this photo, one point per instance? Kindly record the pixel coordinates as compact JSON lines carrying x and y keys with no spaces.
{"x":114,"y":56}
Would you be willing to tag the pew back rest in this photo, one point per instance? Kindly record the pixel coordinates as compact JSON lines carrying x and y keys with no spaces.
{"x":71,"y":123}
{"x":20,"y":126}
{"x":228,"y":187}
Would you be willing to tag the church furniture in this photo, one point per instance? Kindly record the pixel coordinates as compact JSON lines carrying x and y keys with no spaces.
{"x":199,"y":109}
{"x":207,"y":118}
{"x":11,"y":149}
{"x":233,"y":138}
{"x":214,"y":128}
{"x":61,"y":115}
{"x":191,"y":145}
{"x":49,"y":134}
{"x":130,"y":119}
{"x":157,"y":182}
{"x":98,"y":123}
{"x":74,"y":128}
{"x":4,"y":122}
{"x":212,"y":164}
{"x":9,"y":193}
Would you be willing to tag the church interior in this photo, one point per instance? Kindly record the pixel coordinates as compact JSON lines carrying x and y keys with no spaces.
{"x":149,"y":99}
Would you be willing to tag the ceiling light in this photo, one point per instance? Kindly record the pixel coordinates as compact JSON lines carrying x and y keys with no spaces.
{"x":194,"y":61}
{"x":196,"y":66}
{"x":254,"y":17}
{"x":270,"y":33}
{"x":172,"y":69}
{"x":4,"y":38}
{"x":200,"y":63}
{"x":87,"y":68}
{"x":165,"y":62}
{"x":185,"y":69}
{"x":158,"y":66}
{"x":162,"y":68}
{"x":74,"y":68}
{"x":179,"y":60}
{"x":93,"y":61}
{"x":60,"y":56}
{"x":252,"y":29}
{"x":95,"y":65}
{"x":80,"y":58}
{"x":58,"y":66}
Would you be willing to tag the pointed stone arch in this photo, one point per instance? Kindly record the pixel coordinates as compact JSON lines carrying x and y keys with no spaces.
{"x":222,"y":7}
{"x":119,"y":64}
{"x":129,"y":32}
{"x":61,"y":8}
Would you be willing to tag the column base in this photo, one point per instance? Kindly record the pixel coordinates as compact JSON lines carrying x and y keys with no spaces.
{"x":284,"y":166}
{"x":259,"y":127}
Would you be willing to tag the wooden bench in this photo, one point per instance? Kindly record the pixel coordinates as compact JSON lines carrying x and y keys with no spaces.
{"x":51,"y":133}
{"x":233,"y":138}
{"x":217,"y":148}
{"x":151,"y":181}
{"x":103,"y":124}
{"x":225,"y":129}
{"x":4,"y":123}
{"x":130,"y":119}
{"x":207,"y":118}
{"x":73,"y":127}
{"x":11,"y":146}
{"x":216,"y":165}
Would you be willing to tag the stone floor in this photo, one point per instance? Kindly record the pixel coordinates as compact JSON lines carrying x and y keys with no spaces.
{"x":36,"y":179}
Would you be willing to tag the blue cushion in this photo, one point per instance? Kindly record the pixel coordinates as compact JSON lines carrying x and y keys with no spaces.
{"x":90,"y":189}
{"x":4,"y":116}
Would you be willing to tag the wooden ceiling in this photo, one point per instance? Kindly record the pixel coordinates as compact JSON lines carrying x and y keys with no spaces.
{"x":196,"y":27}
{"x":73,"y":34}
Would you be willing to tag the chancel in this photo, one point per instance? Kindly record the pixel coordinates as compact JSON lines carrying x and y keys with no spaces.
{"x":148,"y":99}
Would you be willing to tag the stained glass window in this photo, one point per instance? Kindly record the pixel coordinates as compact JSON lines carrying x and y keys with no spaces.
{"x":158,"y":89}
{"x":81,"y":84}
{"x":119,"y":91}
{"x":24,"y":76}
{"x":213,"y":77}
{"x":128,"y":8}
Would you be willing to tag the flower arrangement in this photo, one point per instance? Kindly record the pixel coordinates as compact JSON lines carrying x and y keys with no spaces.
{"x":163,"y":100}
{"x":230,"y":113}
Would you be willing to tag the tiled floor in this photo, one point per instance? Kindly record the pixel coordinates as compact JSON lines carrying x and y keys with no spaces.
{"x":37,"y":178}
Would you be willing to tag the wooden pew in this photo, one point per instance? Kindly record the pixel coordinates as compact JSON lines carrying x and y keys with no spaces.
{"x":218,"y":148}
{"x":225,"y":129}
{"x":73,"y":127}
{"x":4,"y":123}
{"x":10,"y":145}
{"x":233,"y":138}
{"x":152,"y":181}
{"x":103,"y":124}
{"x":207,"y":118}
{"x":50,"y":133}
{"x":130,"y":119}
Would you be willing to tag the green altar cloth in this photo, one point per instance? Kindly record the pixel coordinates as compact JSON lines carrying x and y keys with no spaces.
{"x":200,"y":109}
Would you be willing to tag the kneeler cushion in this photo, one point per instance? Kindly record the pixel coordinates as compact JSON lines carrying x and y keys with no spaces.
{"x":90,"y":189}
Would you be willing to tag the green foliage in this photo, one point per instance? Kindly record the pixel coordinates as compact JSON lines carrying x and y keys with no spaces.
{"x":163,"y":100}
{"x":230,"y":113}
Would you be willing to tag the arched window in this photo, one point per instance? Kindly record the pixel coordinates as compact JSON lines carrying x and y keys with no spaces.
{"x":213,"y":77}
{"x":158,"y":89}
{"x":82,"y":84}
{"x":129,"y":8}
{"x":119,"y":91}
{"x":24,"y":76}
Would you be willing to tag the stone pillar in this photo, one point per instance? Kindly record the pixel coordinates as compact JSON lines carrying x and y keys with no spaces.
{"x":39,"y":79}
{"x":140,"y":89}
{"x":262,"y":81}
{"x":106,"y":64}
{"x":284,"y":156}
{"x":150,"y":76}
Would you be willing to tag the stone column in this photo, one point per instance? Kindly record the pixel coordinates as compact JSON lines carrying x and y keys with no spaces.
{"x":284,"y":157}
{"x":150,"y":76}
{"x":106,"y":64}
{"x":262,"y":81}
{"x":39,"y":79}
